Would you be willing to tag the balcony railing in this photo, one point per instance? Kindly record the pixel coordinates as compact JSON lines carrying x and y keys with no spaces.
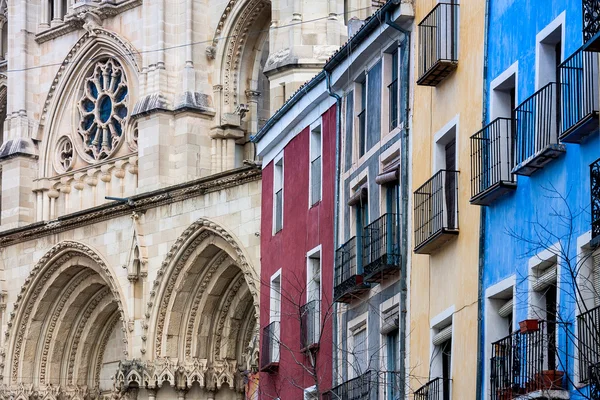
{"x":438,"y":44}
{"x":536,"y":132}
{"x":436,"y":212}
{"x":437,"y":389}
{"x":591,"y":24}
{"x":526,"y":362}
{"x":491,"y":162}
{"x":348,"y":280}
{"x":381,"y":248}
{"x":356,"y":389}
{"x":579,"y":96}
{"x":310,"y":325}
{"x":269,"y":357}
{"x":588,"y":343}
{"x":595,"y":201}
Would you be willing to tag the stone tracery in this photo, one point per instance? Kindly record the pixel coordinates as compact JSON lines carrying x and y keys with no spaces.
{"x":103,"y":109}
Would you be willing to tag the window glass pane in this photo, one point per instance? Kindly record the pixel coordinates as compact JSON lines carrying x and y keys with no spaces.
{"x":349,"y":129}
{"x":374,"y":106}
{"x":360,"y":352}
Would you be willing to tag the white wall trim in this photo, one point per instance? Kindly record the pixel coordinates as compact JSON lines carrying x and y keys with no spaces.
{"x":559,"y":21}
{"x":499,"y":80}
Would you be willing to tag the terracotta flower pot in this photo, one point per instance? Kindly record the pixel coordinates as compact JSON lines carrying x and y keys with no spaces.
{"x":529,"y":325}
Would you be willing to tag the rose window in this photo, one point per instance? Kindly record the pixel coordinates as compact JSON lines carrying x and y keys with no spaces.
{"x":103,"y":109}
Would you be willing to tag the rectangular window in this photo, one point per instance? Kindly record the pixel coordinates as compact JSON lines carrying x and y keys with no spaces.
{"x":393,"y":383}
{"x":311,"y":393}
{"x":310,"y":313}
{"x":278,"y":194}
{"x":349,"y":129}
{"x":275,"y":317}
{"x":362,"y":120}
{"x":393,"y":92}
{"x":374,"y":95}
{"x":360,"y":351}
{"x":316,"y":166}
{"x":442,"y":359}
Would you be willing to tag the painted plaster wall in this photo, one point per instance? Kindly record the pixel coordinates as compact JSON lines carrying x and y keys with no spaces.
{"x":303,"y":230}
{"x":448,"y":278}
{"x":514,"y":40}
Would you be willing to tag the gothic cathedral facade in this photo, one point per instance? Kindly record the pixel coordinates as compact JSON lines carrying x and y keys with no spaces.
{"x":130,"y":207}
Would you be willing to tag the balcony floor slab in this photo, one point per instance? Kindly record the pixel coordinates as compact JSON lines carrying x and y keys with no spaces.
{"x":581,"y":130}
{"x":539,"y":159}
{"x":546,"y":394}
{"x":488,"y":196}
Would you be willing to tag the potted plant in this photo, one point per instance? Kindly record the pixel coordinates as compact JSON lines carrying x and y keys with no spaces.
{"x":529,"y":325}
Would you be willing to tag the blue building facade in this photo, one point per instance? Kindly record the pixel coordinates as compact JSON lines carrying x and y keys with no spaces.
{"x":534,"y":170}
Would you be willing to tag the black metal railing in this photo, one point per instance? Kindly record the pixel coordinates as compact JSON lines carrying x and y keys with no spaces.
{"x":269,"y":356}
{"x":393,"y":100}
{"x":381,"y":243}
{"x":438,"y":41}
{"x":588,"y":342}
{"x":491,"y":155}
{"x":358,"y":388}
{"x":310,"y":324}
{"x":579,"y":88}
{"x":315,"y":173}
{"x":362,"y":132}
{"x":591,"y":19}
{"x":436,"y":389}
{"x":436,"y":206}
{"x":278,"y":210}
{"x":536,"y":122}
{"x":525,"y":362}
{"x":346,"y":262}
{"x":595,"y":200}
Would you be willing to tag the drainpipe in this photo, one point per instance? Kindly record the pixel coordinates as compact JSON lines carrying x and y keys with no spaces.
{"x":482,"y":216}
{"x":404,"y":189}
{"x":338,"y":134}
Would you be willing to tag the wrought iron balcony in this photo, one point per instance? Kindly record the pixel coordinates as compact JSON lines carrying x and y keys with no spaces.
{"x":269,"y":356}
{"x":591,"y":25}
{"x":588,"y":338}
{"x":491,"y":162}
{"x":436,"y":212}
{"x":381,"y":248}
{"x":436,"y":389}
{"x":595,"y":201}
{"x":310,"y":325}
{"x":526,"y":362}
{"x":579,"y":96}
{"x":349,"y":281}
{"x":536,"y":132}
{"x":438,"y":44}
{"x":359,"y":388}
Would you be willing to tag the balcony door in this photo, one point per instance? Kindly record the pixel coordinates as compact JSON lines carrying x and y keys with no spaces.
{"x":450,"y":182}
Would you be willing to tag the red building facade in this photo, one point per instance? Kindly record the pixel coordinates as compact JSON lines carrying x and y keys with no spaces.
{"x":299,"y":165}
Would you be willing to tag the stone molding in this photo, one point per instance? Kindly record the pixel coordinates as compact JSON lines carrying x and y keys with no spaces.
{"x":138,"y":203}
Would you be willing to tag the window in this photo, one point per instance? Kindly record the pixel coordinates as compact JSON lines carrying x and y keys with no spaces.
{"x":588,"y":320}
{"x":544,"y":302}
{"x":310,"y":313}
{"x":313,"y":276}
{"x":359,"y":351}
{"x":311,"y":393}
{"x":349,"y":129}
{"x":374,"y":103}
{"x":390,"y":340}
{"x":392,"y":381}
{"x":278,"y":195}
{"x":275,"y":316}
{"x":393,"y":91}
{"x":441,"y":365}
{"x":315,"y":164}
{"x":362,"y":120}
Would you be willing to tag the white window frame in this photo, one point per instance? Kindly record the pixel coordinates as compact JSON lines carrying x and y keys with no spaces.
{"x":443,"y":137}
{"x":386,"y":306}
{"x":355,"y":326}
{"x":541,"y":37}
{"x":278,"y":159}
{"x":309,"y":275}
{"x":490,"y":310}
{"x":437,"y":323}
{"x":275,"y":315}
{"x":310,"y":392}
{"x":497,"y":100}
{"x":538,"y":262}
{"x":317,"y":125}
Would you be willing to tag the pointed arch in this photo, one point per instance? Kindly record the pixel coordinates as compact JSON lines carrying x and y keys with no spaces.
{"x":69,"y":295}
{"x":90,"y":48}
{"x":203,"y":268}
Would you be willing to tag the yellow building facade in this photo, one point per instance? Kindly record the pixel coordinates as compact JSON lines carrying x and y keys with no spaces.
{"x":447,"y":111}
